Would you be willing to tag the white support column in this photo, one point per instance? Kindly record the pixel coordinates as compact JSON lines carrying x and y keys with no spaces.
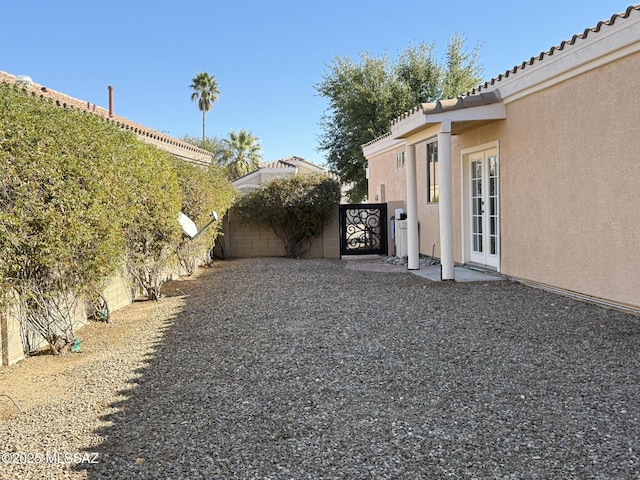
{"x":445,"y":205}
{"x":413,"y":245}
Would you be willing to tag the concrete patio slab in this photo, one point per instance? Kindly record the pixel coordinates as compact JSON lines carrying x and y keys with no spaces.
{"x":376,"y":263}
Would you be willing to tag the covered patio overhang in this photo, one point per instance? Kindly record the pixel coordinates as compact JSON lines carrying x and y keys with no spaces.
{"x":441,"y":120}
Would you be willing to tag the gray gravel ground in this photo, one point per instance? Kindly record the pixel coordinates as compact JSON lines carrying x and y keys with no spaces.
{"x":302,"y":369}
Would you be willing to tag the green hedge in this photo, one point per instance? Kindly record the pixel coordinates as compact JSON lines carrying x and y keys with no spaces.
{"x":81,"y":198}
{"x":204,"y":191}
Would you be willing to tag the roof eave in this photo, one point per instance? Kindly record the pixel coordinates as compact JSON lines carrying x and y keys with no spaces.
{"x":410,"y":125}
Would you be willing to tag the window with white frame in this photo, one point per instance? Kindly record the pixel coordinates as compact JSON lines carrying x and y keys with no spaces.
{"x":400,"y":160}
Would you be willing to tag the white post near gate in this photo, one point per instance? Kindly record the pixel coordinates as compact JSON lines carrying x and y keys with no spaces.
{"x":445,"y":199}
{"x":413,"y":242}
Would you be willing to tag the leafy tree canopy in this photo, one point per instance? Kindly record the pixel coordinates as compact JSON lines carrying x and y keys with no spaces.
{"x":365,"y":96}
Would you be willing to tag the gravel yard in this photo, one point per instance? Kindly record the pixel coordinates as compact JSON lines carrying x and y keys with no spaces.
{"x":302,"y":369}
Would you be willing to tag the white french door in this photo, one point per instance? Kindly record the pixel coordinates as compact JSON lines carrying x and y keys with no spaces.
{"x":483,"y":208}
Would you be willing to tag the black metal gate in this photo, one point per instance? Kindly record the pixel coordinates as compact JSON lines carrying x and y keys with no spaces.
{"x":363,"y":229}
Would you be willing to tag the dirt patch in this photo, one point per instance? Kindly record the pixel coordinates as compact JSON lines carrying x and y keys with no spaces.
{"x":43,"y":379}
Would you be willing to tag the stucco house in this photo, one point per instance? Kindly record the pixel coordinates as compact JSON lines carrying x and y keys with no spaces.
{"x":276,"y":169}
{"x":534,"y":174}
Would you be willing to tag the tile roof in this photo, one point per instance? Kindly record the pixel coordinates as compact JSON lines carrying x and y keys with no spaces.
{"x":66,"y":101}
{"x":282,"y":163}
{"x":467,"y":101}
{"x":572,"y":41}
{"x":480,"y":96}
{"x":287,"y":162}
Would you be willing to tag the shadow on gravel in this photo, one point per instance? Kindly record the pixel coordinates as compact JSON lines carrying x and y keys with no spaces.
{"x":301,"y":369}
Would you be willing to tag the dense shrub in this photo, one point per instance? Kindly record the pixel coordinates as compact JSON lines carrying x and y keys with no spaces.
{"x":204,"y":191}
{"x":60,"y":216}
{"x":153,"y":233}
{"x":79,"y":199}
{"x":296,"y":207}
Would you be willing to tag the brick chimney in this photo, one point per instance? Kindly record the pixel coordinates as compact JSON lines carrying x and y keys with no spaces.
{"x":110,"y":101}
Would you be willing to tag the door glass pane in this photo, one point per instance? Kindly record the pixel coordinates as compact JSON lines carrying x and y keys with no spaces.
{"x":476,"y":205}
{"x":493,"y":172}
{"x":477,"y":243}
{"x":493,"y":205}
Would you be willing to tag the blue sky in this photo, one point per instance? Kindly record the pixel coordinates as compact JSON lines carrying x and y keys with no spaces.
{"x":266,"y":55}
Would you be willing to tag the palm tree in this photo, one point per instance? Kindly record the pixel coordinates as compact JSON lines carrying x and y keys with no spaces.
{"x":205,"y":92}
{"x":244,"y":151}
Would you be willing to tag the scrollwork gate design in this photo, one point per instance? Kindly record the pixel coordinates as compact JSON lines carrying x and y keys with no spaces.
{"x":363,"y":229}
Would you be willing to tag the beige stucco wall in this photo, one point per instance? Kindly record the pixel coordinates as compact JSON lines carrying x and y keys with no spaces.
{"x":117,"y":294}
{"x":11,"y":350}
{"x":569,"y":185}
{"x":386,"y":180}
{"x":570,"y":178}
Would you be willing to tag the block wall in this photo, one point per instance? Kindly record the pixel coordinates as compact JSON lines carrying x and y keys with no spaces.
{"x":242,"y":239}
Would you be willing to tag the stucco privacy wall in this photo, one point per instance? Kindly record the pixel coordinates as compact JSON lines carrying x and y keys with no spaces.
{"x":570,"y":173}
{"x":11,"y":350}
{"x":117,"y":293}
{"x":243,"y":239}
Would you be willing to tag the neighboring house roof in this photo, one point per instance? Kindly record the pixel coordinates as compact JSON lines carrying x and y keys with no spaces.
{"x":176,"y":147}
{"x":607,"y":41}
{"x":278,"y":168}
{"x":276,"y":164}
{"x":292,"y":162}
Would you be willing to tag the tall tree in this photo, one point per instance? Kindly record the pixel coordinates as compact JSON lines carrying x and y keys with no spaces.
{"x":205,"y":92}
{"x":365,"y":96}
{"x":463,"y":68}
{"x":361,"y":101}
{"x":244,"y":153}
